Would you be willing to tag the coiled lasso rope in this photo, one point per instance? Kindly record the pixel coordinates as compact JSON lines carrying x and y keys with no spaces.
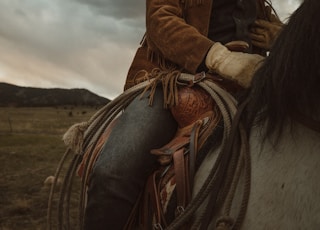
{"x":82,"y":136}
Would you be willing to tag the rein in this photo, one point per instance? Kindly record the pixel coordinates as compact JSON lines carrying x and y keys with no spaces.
{"x":229,"y":154}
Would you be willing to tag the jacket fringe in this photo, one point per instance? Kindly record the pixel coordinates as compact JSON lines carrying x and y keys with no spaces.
{"x":168,"y":79}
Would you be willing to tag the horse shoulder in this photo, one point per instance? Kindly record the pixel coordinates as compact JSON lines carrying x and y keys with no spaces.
{"x":285,"y":191}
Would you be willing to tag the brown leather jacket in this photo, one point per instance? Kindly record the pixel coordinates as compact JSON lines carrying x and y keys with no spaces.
{"x":176,"y":37}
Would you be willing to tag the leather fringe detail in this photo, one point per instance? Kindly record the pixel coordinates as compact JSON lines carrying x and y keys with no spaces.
{"x":169,"y":84}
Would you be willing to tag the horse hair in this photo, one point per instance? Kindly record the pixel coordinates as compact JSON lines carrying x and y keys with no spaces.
{"x":288,"y":81}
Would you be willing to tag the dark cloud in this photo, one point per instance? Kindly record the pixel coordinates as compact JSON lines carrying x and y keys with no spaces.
{"x":120,"y":9}
{"x":69,"y":43}
{"x":74,"y":43}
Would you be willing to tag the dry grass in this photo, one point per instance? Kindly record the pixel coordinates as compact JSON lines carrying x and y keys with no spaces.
{"x":30,"y":149}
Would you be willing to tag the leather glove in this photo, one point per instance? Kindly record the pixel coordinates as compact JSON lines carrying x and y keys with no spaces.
{"x":236,"y":66}
{"x":265,"y":32}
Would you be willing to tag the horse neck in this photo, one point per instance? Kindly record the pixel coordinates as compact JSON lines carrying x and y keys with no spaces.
{"x":285,"y":190}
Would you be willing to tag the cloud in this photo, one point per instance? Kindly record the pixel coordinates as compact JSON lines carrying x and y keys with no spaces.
{"x":75,"y":43}
{"x":69,"y":43}
{"x":120,"y":9}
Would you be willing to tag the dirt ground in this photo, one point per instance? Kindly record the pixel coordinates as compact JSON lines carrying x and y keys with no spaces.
{"x":30,"y":149}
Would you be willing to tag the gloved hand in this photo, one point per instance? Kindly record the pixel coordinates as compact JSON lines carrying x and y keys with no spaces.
{"x":264,"y":32}
{"x":236,"y":66}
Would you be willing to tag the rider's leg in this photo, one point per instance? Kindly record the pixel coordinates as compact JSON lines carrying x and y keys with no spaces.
{"x":125,"y":162}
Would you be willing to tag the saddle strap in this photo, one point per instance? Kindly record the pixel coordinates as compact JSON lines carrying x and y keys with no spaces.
{"x":184,"y":168}
{"x":194,"y":147}
{"x":152,"y":204}
{"x":150,"y":214}
{"x":180,"y":163}
{"x":165,"y":153}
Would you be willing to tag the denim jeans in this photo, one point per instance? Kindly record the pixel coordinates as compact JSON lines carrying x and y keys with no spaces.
{"x":125,"y":162}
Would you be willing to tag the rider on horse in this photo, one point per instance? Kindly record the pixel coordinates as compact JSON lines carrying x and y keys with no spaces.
{"x":226,"y":40}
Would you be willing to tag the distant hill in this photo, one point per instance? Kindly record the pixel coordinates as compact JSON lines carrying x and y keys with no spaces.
{"x":12,"y":95}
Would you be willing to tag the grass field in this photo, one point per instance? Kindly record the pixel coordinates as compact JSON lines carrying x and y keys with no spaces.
{"x":30,"y":149}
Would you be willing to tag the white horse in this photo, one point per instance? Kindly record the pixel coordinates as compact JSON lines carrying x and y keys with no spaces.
{"x":284,"y":140}
{"x":285,"y":188}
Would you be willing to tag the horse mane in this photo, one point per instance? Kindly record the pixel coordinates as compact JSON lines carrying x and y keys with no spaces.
{"x":288,"y":83}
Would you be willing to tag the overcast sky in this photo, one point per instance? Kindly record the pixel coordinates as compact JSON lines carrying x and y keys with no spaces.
{"x":75,"y":43}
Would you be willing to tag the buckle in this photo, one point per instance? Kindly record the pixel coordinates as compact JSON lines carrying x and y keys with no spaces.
{"x":190,"y":79}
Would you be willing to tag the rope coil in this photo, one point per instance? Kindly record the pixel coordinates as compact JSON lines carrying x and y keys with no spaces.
{"x":83,"y":135}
